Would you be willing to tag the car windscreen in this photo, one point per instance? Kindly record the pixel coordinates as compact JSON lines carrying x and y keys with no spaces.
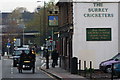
{"x":18,"y":52}
{"x":116,"y":57}
{"x":117,"y":65}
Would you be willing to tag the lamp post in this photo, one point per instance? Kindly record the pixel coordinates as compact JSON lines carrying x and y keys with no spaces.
{"x":22,"y":25}
{"x":38,"y":11}
{"x":44,"y":20}
{"x":23,"y":33}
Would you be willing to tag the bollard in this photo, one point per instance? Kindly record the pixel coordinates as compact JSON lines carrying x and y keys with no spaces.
{"x":74,"y":67}
{"x":85,"y":68}
{"x":79,"y":67}
{"x":91,"y":70}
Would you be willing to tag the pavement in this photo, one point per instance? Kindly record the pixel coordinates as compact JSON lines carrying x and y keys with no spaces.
{"x":60,"y":73}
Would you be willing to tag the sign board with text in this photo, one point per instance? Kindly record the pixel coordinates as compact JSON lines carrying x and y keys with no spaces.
{"x":98,"y":34}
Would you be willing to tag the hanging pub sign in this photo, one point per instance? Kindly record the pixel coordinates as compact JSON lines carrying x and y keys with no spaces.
{"x":52,"y":21}
{"x":98,"y":34}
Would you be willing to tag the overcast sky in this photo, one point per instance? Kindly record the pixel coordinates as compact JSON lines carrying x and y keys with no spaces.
{"x":10,"y":5}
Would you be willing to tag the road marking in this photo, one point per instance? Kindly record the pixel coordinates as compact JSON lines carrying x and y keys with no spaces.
{"x":11,"y":72}
{"x":43,"y":64}
{"x":42,"y":61}
{"x":5,"y":59}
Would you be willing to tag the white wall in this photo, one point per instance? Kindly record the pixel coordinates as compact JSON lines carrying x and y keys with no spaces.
{"x":96,"y":51}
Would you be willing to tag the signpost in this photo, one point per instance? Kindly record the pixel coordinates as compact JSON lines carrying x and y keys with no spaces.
{"x":53,"y":21}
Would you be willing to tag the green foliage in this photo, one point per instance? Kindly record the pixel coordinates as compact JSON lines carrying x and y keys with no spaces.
{"x":40,"y":21}
{"x":89,"y":70}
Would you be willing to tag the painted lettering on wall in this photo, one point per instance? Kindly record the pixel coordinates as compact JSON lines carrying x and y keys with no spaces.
{"x":98,"y":10}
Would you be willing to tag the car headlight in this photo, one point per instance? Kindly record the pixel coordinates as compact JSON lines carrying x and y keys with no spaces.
{"x":102,"y":64}
{"x":114,"y":67}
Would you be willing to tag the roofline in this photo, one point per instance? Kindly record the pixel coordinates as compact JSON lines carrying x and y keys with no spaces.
{"x":89,"y":2}
{"x":96,"y":1}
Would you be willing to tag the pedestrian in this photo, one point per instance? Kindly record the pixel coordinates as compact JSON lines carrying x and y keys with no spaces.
{"x":54,"y":57}
{"x":32,"y":57}
{"x":47,"y":57}
{"x":22,"y":58}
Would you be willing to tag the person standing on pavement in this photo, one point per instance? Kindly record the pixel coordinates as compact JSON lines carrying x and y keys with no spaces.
{"x":47,"y":57}
{"x":54,"y":57}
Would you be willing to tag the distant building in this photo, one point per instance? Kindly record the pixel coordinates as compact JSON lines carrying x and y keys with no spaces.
{"x":26,"y":16}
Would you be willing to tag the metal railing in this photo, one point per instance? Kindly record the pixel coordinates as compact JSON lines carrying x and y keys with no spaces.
{"x":89,"y":72}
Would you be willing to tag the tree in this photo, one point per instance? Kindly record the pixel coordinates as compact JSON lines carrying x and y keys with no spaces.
{"x":40,"y":21}
{"x":12,"y":28}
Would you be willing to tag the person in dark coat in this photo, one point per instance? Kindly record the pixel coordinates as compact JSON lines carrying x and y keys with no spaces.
{"x":54,"y":57}
{"x":32,"y":56}
{"x":22,"y":57}
{"x":46,"y":53}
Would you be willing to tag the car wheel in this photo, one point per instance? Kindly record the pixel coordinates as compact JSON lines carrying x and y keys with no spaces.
{"x":108,"y":69}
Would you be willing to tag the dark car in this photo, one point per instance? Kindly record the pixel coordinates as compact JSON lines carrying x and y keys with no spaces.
{"x":106,"y":65}
{"x":116,"y":69}
{"x":26,"y":64}
{"x":16,"y":55}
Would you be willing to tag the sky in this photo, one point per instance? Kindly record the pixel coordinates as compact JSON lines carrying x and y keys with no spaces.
{"x":10,"y":5}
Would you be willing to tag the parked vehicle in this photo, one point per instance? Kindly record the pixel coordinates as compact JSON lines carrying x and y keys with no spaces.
{"x":106,"y":65}
{"x":16,"y":55}
{"x":116,"y":69}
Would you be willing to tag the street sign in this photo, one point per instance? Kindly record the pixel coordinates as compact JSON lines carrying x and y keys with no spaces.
{"x":17,"y":42}
{"x":53,"y":21}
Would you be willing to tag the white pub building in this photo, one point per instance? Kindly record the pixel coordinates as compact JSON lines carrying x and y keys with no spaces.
{"x":96,"y":35}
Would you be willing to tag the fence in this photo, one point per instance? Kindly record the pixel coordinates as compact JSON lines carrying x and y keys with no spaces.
{"x":91,"y":73}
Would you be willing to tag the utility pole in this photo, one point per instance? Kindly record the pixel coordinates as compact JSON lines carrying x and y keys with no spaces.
{"x":38,"y":10}
{"x":43,"y":30}
{"x":44,"y":22}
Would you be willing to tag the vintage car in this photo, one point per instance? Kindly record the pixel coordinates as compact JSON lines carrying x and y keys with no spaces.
{"x":26,"y":64}
{"x":16,"y":55}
